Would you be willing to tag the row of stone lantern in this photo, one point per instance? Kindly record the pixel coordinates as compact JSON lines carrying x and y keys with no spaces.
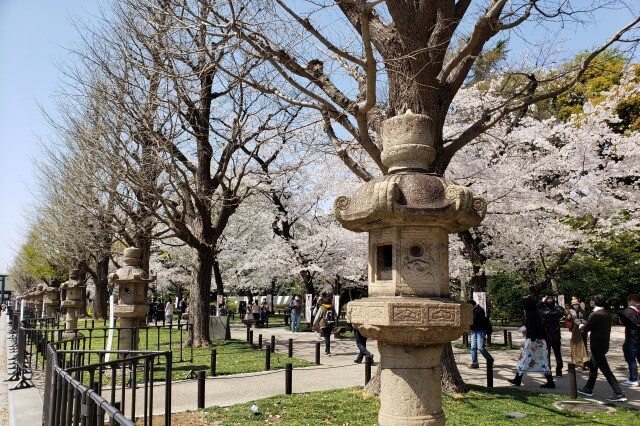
{"x":131,"y":309}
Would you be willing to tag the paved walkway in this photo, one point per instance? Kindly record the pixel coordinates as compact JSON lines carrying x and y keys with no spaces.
{"x":339,"y":371}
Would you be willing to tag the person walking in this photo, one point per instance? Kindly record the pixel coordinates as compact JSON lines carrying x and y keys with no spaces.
{"x":479,"y":328}
{"x":630,"y":318}
{"x":255,"y":310}
{"x":552,"y":316}
{"x":361,"y":342}
{"x":325,"y":319}
{"x":578,"y":343}
{"x":295,"y":310}
{"x":534,"y":356}
{"x":168,"y":312}
{"x":599,"y":327}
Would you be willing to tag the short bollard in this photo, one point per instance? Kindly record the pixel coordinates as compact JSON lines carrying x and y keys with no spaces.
{"x":489,"y":373}
{"x":317,"y":353}
{"x":288,"y":376}
{"x":251,"y":338}
{"x":267,"y":358}
{"x":573,"y":386}
{"x":510,"y":340}
{"x":214,"y":356}
{"x":248,"y":331}
{"x":290,"y":354}
{"x":273,"y":344}
{"x":488,"y":339}
{"x":465,"y":339}
{"x":260,"y":341}
{"x":201,"y":380}
{"x":368,"y":360}
{"x":504,"y":334}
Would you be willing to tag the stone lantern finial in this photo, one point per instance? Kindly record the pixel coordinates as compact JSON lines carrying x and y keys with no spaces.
{"x":407,"y":142}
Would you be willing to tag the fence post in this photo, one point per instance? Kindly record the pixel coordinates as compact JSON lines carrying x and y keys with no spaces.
{"x":368,"y":360}
{"x":465,"y":339}
{"x":248,"y":329}
{"x":201,"y":381}
{"x":251,"y":338}
{"x":260,"y":341}
{"x":504,"y":333}
{"x":317,"y":353}
{"x":214,"y":356}
{"x":267,"y":358}
{"x":488,"y":339}
{"x":290,"y":354}
{"x":490,"y":373}
{"x":573,"y":387}
{"x":510,"y":340}
{"x":273,"y":343}
{"x":288,"y":378}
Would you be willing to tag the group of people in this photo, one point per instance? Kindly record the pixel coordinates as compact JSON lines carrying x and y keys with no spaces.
{"x":542,"y":326}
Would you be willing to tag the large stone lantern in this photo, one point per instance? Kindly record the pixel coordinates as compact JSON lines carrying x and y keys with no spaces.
{"x":408,"y":214}
{"x":132,"y":307}
{"x":73,"y":298}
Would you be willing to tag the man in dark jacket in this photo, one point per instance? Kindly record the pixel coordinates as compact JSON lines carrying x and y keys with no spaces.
{"x":552,"y":315}
{"x":479,"y":329}
{"x":630,"y":318}
{"x":599,"y":327}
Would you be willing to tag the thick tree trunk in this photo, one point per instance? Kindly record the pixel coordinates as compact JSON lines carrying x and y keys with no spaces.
{"x":217,"y":275}
{"x":101,"y":296}
{"x":199,"y":298}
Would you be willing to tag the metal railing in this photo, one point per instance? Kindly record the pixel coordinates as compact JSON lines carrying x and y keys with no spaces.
{"x":79,"y":391}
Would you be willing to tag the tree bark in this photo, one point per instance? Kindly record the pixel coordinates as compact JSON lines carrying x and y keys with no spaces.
{"x":218,"y":276}
{"x":101,"y":296}
{"x":199,"y":299}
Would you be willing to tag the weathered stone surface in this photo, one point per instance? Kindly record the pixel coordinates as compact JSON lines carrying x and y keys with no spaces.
{"x":73,"y":293}
{"x":132,"y":282}
{"x":219,"y":327}
{"x":409,"y":214}
{"x":409,"y":321}
{"x":417,"y":199}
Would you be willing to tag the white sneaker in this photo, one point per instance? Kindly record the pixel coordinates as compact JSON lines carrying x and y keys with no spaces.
{"x":630,"y":383}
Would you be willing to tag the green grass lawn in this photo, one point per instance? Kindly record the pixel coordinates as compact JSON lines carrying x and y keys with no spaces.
{"x":475,"y":408}
{"x":233,"y":356}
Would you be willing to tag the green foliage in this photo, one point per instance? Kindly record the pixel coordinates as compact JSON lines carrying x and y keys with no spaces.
{"x":610,"y":266}
{"x":485,"y":67}
{"x":505,"y":290}
{"x":628,"y":111}
{"x":603,"y":73}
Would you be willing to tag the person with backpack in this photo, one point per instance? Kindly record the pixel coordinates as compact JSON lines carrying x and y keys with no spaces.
{"x":552,"y":316}
{"x":325,"y":318}
{"x":479,"y":329}
{"x":630,"y":318}
{"x":599,"y":325}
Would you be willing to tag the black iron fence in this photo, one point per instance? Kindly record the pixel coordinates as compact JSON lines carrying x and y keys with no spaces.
{"x":83,"y":387}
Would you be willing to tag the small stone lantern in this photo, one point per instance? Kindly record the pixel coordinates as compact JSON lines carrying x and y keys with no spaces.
{"x":51,"y":299}
{"x":132,"y":305}
{"x":73,"y":293}
{"x":408,"y":214}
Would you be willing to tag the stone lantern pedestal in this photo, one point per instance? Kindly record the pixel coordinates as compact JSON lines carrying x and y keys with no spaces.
{"x":408,"y":215}
{"x":73,"y":301}
{"x":132,"y":307}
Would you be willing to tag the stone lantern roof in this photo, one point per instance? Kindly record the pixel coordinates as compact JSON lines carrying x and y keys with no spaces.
{"x":409,"y":195}
{"x":131,"y":272}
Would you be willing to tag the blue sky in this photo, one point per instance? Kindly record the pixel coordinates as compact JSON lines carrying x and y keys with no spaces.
{"x":33,"y":34}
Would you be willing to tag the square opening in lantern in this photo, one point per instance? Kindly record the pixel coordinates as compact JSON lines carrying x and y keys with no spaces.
{"x":384,"y":262}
